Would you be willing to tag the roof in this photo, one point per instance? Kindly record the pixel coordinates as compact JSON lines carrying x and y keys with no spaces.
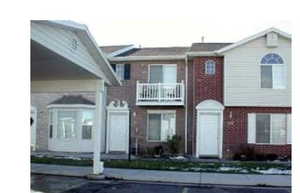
{"x":111,"y":49}
{"x":207,"y":47}
{"x":156,"y":51}
{"x":94,"y":50}
{"x":72,"y":100}
{"x":253,"y":37}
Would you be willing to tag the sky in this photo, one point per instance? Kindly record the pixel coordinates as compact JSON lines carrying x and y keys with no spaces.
{"x":183,"y":22}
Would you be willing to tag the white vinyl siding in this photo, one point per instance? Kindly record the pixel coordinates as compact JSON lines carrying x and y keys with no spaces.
{"x":242,"y":75}
{"x":161,"y":126}
{"x":269,"y":128}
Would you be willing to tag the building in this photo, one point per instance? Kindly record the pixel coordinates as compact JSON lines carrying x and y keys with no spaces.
{"x":216,"y":96}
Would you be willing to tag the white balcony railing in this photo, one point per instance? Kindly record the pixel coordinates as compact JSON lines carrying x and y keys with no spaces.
{"x":160,"y":93}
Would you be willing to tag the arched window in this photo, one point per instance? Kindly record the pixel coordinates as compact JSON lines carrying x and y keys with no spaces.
{"x":273,"y":72}
{"x":210,"y":67}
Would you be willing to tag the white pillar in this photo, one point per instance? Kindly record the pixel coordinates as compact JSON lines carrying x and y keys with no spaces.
{"x":97,"y":164}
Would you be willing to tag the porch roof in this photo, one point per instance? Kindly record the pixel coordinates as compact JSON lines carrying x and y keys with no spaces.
{"x":65,"y":50}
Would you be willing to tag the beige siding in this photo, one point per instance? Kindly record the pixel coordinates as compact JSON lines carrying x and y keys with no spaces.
{"x":242,"y":75}
{"x":62,"y":86}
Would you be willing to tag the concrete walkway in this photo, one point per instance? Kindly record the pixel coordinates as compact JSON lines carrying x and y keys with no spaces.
{"x":167,"y":176}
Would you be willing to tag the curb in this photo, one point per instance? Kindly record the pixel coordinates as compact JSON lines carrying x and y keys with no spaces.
{"x":168,"y":176}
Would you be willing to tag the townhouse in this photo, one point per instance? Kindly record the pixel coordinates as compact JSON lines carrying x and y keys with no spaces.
{"x":217,"y":97}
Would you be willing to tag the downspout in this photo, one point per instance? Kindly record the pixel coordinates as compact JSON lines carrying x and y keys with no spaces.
{"x":186,"y":102}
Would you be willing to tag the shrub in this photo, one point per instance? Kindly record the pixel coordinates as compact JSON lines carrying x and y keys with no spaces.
{"x":271,"y":157}
{"x":158,"y":150}
{"x":173,"y":144}
{"x":245,"y":153}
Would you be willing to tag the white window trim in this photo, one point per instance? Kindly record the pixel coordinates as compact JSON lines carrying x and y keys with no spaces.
{"x":123,"y":66}
{"x":271,"y":143}
{"x":161,"y":112}
{"x":205,"y":66}
{"x":81,"y":125}
{"x":285,"y":74}
{"x":163,"y":66}
{"x":68,"y":108}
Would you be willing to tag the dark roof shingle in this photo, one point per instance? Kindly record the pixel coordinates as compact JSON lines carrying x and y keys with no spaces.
{"x":110,"y":49}
{"x":71,"y":100}
{"x":207,"y":47}
{"x":156,"y":51}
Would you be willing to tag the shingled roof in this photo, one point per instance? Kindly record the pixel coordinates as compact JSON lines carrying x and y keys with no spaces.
{"x":72,"y":100}
{"x":207,"y":47}
{"x":111,"y":49}
{"x":156,"y":51}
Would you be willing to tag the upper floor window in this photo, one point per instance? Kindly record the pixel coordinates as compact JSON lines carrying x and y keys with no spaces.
{"x":210,"y":67}
{"x":122,"y":71}
{"x":163,"y":73}
{"x":273,"y":72}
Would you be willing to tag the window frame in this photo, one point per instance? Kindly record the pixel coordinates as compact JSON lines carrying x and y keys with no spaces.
{"x":284,"y":67}
{"x":206,"y":64}
{"x":271,"y":129}
{"x":79,"y":109}
{"x":161,"y":112}
{"x":81,"y":125}
{"x":163,"y":66}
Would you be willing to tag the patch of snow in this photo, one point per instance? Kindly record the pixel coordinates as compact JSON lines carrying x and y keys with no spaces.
{"x":275,"y":171}
{"x":223,"y":169}
{"x":178,"y":158}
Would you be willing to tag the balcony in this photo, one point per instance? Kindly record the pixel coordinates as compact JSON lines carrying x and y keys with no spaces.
{"x":160,"y":94}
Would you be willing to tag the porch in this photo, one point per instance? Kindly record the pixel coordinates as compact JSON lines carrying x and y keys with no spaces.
{"x":160,"y":94}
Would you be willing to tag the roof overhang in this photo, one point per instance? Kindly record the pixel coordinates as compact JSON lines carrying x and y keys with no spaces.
{"x":146,"y":58}
{"x":89,"y":42}
{"x":195,"y":54}
{"x":253,"y":37}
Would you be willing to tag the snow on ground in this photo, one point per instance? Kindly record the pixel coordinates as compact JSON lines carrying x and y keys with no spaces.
{"x":275,"y":171}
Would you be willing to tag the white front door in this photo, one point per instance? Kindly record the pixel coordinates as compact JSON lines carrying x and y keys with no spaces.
{"x":118,"y":132}
{"x":208,"y":127}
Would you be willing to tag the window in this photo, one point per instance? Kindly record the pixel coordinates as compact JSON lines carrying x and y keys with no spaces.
{"x":87,"y":124}
{"x":122,"y":71}
{"x":66,"y":124}
{"x":210,"y":67}
{"x":271,"y":128}
{"x":51,"y":121}
{"x":161,"y":125}
{"x":163,"y":73}
{"x":273,"y":72}
{"x":71,"y":123}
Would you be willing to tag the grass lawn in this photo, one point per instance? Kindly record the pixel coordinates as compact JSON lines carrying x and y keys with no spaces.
{"x":232,"y":167}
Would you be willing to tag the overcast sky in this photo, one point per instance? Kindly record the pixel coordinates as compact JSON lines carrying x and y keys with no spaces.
{"x":179,"y":23}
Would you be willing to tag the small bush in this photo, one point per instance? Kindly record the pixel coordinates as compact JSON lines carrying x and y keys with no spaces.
{"x":173,"y":144}
{"x":271,"y":157}
{"x":158,"y":150}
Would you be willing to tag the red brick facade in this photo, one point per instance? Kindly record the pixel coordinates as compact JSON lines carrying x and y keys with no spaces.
{"x":127,"y":92}
{"x":202,"y":87}
{"x":235,"y":130}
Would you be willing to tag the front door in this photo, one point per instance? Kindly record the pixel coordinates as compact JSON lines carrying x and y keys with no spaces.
{"x":118,"y":132}
{"x":208,"y":127}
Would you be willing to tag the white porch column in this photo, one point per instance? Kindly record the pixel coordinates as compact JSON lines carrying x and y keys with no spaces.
{"x":97,"y":164}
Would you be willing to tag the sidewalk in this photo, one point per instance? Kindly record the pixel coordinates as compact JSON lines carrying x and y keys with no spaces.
{"x":167,"y":176}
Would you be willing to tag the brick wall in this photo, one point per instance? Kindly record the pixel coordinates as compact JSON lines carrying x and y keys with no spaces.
{"x":235,"y":130}
{"x":202,"y":87}
{"x":127,"y":92}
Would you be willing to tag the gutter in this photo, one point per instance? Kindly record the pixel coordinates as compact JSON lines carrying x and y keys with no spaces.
{"x":186,"y":103}
{"x":139,"y":58}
